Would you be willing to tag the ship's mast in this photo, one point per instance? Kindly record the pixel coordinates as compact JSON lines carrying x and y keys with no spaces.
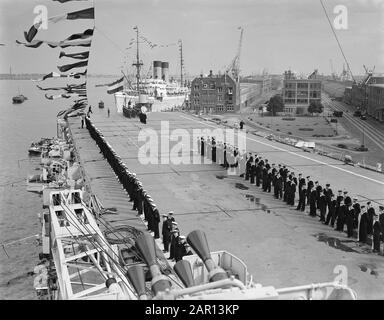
{"x":181,"y":62}
{"x":138,"y":63}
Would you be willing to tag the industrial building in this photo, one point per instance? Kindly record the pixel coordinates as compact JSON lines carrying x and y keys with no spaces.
{"x":368,"y":96}
{"x":375,"y":106}
{"x":215,"y":94}
{"x":299,"y":93}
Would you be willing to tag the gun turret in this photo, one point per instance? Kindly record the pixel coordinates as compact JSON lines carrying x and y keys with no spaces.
{"x":146,"y":246}
{"x":136,"y":276}
{"x":198,"y":241}
{"x":184,"y":272}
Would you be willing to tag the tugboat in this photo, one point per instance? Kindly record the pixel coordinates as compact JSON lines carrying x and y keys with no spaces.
{"x":101,"y":104}
{"x":19,"y":99}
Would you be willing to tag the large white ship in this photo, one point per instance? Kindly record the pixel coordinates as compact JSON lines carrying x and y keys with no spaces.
{"x":158,"y":91}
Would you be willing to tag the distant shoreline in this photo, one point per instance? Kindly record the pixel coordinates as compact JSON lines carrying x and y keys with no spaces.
{"x":34,"y":76}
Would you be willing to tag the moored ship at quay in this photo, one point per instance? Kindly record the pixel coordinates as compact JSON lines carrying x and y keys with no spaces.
{"x":158,"y":92}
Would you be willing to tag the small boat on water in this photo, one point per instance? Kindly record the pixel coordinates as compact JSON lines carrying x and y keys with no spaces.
{"x":37,"y":147}
{"x":19,"y":99}
{"x":101,"y":104}
{"x":34,"y":150}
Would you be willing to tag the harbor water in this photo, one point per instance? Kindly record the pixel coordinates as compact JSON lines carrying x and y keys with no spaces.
{"x":20,"y":124}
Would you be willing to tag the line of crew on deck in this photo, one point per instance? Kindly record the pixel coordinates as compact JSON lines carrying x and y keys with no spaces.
{"x":142,"y":201}
{"x":334,"y":209}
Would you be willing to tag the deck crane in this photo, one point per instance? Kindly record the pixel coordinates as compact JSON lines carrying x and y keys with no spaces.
{"x":234,"y":68}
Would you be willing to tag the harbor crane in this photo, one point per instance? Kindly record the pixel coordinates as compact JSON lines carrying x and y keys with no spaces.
{"x":313,"y":74}
{"x":234,"y":68}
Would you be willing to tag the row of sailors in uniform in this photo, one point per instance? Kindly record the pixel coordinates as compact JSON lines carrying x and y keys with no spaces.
{"x":340,"y":209}
{"x":174,"y":243}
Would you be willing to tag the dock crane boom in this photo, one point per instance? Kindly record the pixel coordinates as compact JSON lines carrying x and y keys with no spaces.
{"x":234,"y":67}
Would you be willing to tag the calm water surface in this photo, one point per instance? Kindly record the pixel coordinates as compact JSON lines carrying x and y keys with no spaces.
{"x":20,"y":124}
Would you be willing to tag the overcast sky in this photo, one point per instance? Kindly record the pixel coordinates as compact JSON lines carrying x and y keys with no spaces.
{"x":278,"y":34}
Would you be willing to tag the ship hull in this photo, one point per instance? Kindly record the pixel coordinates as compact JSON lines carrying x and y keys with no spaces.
{"x":167,"y":103}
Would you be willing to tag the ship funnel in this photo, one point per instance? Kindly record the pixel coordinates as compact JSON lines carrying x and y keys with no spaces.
{"x":146,"y":246}
{"x":198,"y":241}
{"x":136,"y":276}
{"x":157,"y":69}
{"x":184,"y":272}
{"x":164,"y":71}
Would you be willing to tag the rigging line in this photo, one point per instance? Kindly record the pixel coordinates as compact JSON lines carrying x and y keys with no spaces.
{"x":109,"y":39}
{"x":338,"y":42}
{"x":78,"y":271}
{"x":109,"y":227}
{"x":101,"y":248}
{"x":79,"y":244}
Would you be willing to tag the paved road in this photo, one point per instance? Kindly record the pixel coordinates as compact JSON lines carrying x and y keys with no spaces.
{"x":280,"y":246}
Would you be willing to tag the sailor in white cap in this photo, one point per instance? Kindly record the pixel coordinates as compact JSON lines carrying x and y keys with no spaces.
{"x":170,"y":216}
{"x":174,"y":238}
{"x":179,"y":248}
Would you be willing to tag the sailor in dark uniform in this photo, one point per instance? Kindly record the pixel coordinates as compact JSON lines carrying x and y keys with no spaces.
{"x":312,"y":203}
{"x":381,"y":220}
{"x":362,"y":225}
{"x":166,"y":232}
{"x":265,"y":177}
{"x":339,"y":199}
{"x":342,"y":214}
{"x":274,"y":170}
{"x":301,"y":181}
{"x":349,"y":216}
{"x":174,"y":237}
{"x":322,"y":206}
{"x":287,"y":189}
{"x":155,"y":221}
{"x":309,"y":188}
{"x":252,"y":173}
{"x":319,"y":189}
{"x":275,"y":183}
{"x":331,"y":216}
{"x":259,"y":173}
{"x":328,"y":192}
{"x":213,"y":149}
{"x":356,"y":207}
{"x":293,"y":192}
{"x":248,"y":166}
{"x":294,"y":179}
{"x":179,"y":248}
{"x":226,"y":164}
{"x":370,"y":214}
{"x":269,"y":181}
{"x":202,"y":147}
{"x":302,"y":198}
{"x":376,"y":234}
